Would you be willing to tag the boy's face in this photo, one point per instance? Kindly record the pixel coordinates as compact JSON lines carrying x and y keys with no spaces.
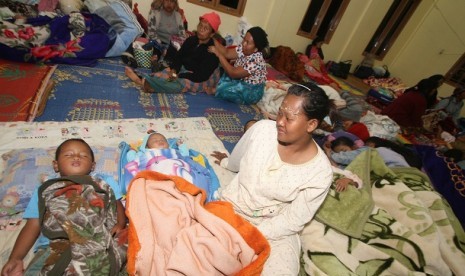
{"x":75,"y":158}
{"x":157,"y":141}
{"x":341,"y":148}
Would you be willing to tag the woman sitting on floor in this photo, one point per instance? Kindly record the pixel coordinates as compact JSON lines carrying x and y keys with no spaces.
{"x":408,"y":109}
{"x":315,"y":66}
{"x":192,"y":67}
{"x":165,"y":20}
{"x":243,"y":82}
{"x":283,"y":175}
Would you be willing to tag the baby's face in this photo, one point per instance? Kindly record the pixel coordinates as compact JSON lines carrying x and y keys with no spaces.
{"x":342,"y":148}
{"x":157,"y":141}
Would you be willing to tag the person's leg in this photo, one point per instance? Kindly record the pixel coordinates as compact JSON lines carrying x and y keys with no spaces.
{"x":133,"y":76}
{"x":284,"y":257}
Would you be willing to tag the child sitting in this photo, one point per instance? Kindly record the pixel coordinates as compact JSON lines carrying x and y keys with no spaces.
{"x":170,"y":157}
{"x":343,"y":150}
{"x":80,"y":214}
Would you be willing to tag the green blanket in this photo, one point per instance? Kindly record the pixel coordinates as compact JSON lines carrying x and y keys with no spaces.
{"x":348,"y":211}
{"x":411,"y":230}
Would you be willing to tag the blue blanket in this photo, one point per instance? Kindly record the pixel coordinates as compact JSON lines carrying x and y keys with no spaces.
{"x":447,"y":178}
{"x":190,"y":165}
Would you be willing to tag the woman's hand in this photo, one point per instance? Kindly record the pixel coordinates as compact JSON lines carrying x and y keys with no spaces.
{"x":219,"y":156}
{"x":213,"y":50}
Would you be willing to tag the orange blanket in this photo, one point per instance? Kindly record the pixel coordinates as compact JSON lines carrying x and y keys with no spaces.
{"x":171,"y":229}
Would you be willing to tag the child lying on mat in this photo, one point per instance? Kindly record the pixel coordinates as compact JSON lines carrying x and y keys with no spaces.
{"x":81,"y":215}
{"x":170,"y":157}
{"x":343,"y":150}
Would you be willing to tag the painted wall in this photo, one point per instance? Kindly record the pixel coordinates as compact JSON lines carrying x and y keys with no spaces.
{"x":430,"y":44}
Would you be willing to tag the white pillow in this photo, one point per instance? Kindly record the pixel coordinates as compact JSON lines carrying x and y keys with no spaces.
{"x":69,"y":6}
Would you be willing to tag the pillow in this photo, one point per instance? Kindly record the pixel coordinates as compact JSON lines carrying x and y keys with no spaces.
{"x":24,"y":169}
{"x":69,"y":6}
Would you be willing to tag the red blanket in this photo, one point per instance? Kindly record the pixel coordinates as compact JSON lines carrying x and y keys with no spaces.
{"x":22,"y":89}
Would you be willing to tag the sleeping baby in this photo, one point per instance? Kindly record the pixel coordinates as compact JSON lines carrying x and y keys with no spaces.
{"x":170,"y":157}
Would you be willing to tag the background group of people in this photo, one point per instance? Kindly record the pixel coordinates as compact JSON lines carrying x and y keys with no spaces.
{"x":199,"y":57}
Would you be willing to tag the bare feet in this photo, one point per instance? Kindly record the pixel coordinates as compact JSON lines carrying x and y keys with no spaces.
{"x":147,"y":87}
{"x":133,"y":76}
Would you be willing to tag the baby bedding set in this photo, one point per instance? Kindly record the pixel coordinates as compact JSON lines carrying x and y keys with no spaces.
{"x":24,"y":168}
{"x":178,"y":160}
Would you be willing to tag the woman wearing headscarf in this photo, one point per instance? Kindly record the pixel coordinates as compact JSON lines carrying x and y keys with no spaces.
{"x":243,"y":82}
{"x":193,"y":67}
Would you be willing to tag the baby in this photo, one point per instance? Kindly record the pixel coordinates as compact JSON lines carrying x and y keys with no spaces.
{"x":170,"y":157}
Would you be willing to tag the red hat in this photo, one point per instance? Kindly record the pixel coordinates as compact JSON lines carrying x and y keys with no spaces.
{"x":360,"y":130}
{"x":213,"y":19}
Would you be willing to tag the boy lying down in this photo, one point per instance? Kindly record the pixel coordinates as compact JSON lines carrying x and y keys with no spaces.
{"x":170,"y":157}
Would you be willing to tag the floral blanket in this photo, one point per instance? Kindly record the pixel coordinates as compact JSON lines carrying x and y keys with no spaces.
{"x":411,"y":229}
{"x":78,"y":38}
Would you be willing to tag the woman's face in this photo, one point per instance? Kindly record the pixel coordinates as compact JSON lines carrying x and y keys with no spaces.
{"x":204,"y":31}
{"x":169,"y":5}
{"x":292,"y":123}
{"x":248,"y":45}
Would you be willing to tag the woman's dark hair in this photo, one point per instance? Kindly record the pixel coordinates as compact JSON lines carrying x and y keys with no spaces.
{"x":426,"y":86}
{"x":410,"y":156}
{"x":315,"y":41}
{"x":437,"y":78}
{"x":342,"y":141}
{"x":316,"y":104}
{"x":58,"y":150}
{"x":259,"y":37}
{"x":249,"y":124}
